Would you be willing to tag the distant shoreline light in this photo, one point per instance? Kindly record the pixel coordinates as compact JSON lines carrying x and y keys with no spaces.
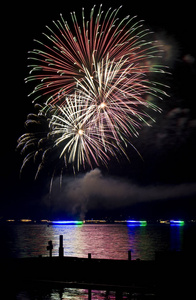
{"x":66,"y":222}
{"x":129,"y":222}
{"x":136,"y":223}
{"x":177,"y":222}
{"x":171,"y":222}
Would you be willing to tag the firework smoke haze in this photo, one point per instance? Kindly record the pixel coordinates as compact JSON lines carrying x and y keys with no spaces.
{"x":94,"y":86}
{"x":96,"y":191}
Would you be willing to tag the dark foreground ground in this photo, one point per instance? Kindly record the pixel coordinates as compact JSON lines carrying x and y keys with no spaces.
{"x":170,"y":276}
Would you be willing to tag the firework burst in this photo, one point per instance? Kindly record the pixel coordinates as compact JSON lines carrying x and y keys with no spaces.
{"x":65,"y":57}
{"x":93,"y":83}
{"x":75,"y":131}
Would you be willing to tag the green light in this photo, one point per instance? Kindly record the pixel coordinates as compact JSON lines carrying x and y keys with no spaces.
{"x":143,"y":223}
{"x":136,"y":223}
{"x":67,"y":222}
{"x":177,"y":222}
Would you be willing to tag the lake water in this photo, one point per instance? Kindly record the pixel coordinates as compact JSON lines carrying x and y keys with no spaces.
{"x":111,"y":241}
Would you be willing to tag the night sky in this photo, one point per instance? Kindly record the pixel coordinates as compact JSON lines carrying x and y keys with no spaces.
{"x":161,"y":184}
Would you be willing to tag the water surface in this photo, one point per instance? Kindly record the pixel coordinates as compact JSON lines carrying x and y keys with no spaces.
{"x":111,"y":241}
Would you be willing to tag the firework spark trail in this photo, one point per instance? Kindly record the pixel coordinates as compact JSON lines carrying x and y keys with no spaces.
{"x":106,"y":89}
{"x":74,"y":127}
{"x":35,"y":145}
{"x":94,"y":83}
{"x":70,"y":131}
{"x":68,"y":55}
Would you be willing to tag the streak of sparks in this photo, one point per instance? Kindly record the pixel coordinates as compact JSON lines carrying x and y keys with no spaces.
{"x":93,"y":85}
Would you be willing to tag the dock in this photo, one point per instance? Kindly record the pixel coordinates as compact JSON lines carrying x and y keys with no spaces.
{"x":170,"y":275}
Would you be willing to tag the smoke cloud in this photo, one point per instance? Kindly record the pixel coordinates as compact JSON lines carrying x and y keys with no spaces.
{"x":95,"y":191}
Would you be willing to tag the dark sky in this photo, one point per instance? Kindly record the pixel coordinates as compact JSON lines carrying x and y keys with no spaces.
{"x":162,"y":184}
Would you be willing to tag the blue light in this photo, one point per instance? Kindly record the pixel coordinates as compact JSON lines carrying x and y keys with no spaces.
{"x":136,"y":223}
{"x":67,"y":222}
{"x":177,"y":222}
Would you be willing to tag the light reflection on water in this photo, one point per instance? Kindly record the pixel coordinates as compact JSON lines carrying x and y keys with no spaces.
{"x":67,"y":293}
{"x":111,"y":241}
{"x":176,"y":237}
